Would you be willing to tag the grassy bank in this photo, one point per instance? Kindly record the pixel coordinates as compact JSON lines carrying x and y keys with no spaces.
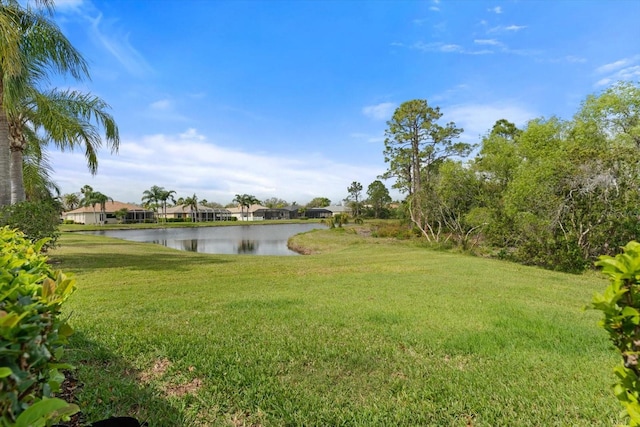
{"x":363,"y":332}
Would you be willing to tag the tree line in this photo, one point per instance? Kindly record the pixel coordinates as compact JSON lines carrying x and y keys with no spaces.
{"x":158,"y":198}
{"x":555,"y":193}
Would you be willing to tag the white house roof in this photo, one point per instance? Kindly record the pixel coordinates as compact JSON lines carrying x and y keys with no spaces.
{"x":186,"y":209}
{"x":250,"y":209}
{"x":338,"y":209}
{"x":110,"y":206}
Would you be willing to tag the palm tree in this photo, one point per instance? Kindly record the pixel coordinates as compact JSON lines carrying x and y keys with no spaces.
{"x":65,"y":117}
{"x":88,"y":199}
{"x":151,"y":198}
{"x":157,"y":197}
{"x":192,"y":204}
{"x":164,"y":196}
{"x":121,"y":214}
{"x":36,"y":172}
{"x":71,"y":201}
{"x":101,"y":199}
{"x":31,"y":45}
{"x":245,"y":201}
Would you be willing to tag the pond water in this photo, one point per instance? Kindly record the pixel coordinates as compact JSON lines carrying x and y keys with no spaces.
{"x":263,"y":239}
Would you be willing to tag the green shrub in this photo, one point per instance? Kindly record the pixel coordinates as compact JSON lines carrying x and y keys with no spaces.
{"x":37,"y":220}
{"x":620,"y":304}
{"x":31,"y":333}
{"x":394,"y":230}
{"x":68,"y":221}
{"x":175,"y":219}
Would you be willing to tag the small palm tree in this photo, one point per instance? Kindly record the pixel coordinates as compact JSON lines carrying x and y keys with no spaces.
{"x":164,"y":196}
{"x":71,"y":201}
{"x":101,"y":199}
{"x":245,"y":201}
{"x":121,"y":214}
{"x":151,"y":199}
{"x":87,"y":197}
{"x":93,"y":198}
{"x":192,"y":204}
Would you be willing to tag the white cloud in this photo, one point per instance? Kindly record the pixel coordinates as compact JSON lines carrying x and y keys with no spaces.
{"x":621,"y":63}
{"x":629,"y":73}
{"x":192,"y":134}
{"x":451,"y":48}
{"x":106,"y":36}
{"x":434,"y":8}
{"x":497,"y":10}
{"x":575,"y":59}
{"x":502,"y":28}
{"x":367,"y":137}
{"x":447,"y":48}
{"x":162,"y":105}
{"x":189,"y":163}
{"x":478,"y":119}
{"x":622,"y":69}
{"x":607,"y":68}
{"x":382,"y":111}
{"x":490,"y":42}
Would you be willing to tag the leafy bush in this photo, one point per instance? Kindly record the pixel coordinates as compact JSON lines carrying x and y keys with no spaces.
{"x":31,"y":333}
{"x":552,"y":253}
{"x":620,"y":304}
{"x":37,"y":220}
{"x":398,"y":231}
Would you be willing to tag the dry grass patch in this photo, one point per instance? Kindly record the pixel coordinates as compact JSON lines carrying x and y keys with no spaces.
{"x":170,"y":388}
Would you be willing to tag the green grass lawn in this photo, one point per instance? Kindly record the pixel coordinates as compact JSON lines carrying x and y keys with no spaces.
{"x":363,"y":332}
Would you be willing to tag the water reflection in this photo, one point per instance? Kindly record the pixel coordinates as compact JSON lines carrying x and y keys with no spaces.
{"x":247,"y":246}
{"x":264,"y":239}
{"x":189,"y":245}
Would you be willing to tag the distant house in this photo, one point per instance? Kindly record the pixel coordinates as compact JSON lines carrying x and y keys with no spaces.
{"x":92,"y":215}
{"x":318,"y":213}
{"x":251,"y":213}
{"x":260,"y":213}
{"x":335,"y":210}
{"x":287,"y":212}
{"x":204,"y":213}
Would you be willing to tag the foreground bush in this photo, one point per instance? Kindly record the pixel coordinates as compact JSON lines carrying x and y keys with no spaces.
{"x":31,"y":333}
{"x":620,"y":304}
{"x":37,"y":220}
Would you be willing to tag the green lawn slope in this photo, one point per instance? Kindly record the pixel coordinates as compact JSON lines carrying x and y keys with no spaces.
{"x":362,"y":332}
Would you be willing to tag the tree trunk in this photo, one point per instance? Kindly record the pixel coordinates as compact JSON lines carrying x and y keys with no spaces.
{"x":17,"y":178}
{"x":5,"y":155}
{"x":17,"y":145}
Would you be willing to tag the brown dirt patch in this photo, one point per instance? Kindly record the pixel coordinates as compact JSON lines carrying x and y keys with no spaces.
{"x":158,"y":369}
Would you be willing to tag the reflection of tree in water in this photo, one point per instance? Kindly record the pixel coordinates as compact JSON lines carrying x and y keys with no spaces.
{"x":190,"y":245}
{"x":247,"y":246}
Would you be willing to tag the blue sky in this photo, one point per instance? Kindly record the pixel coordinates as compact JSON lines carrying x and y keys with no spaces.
{"x":290,"y":99}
